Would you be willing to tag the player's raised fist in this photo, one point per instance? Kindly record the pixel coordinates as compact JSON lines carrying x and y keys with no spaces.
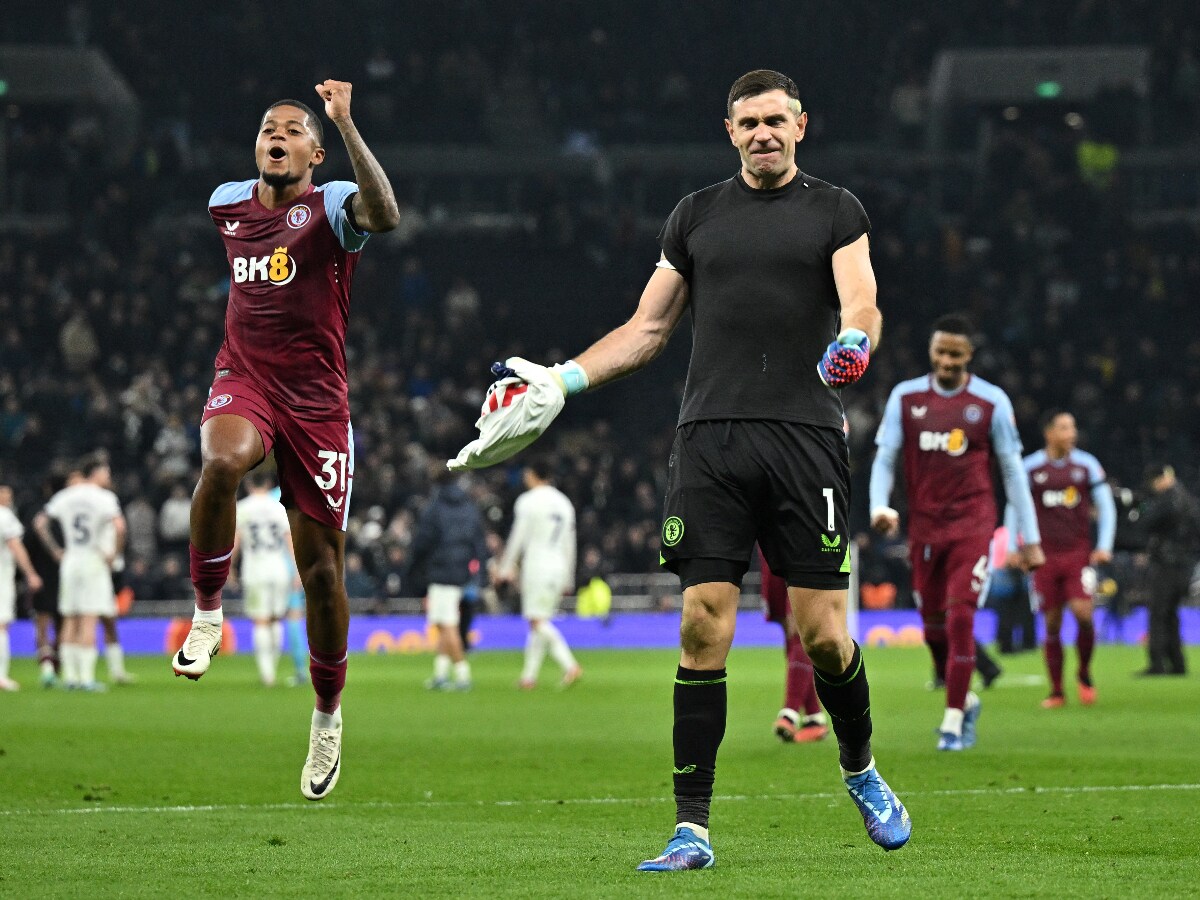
{"x":336,"y":95}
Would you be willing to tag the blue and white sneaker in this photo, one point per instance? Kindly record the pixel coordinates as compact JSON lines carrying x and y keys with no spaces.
{"x":971,"y":710}
{"x":685,"y":850}
{"x":887,"y":821}
{"x":948,"y":740}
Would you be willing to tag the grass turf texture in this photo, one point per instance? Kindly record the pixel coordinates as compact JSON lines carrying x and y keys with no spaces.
{"x":552,"y":794}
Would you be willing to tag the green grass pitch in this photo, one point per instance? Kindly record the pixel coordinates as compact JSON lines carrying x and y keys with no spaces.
{"x":173,"y":788}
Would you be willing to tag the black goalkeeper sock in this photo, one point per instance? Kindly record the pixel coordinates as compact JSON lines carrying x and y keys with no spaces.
{"x":700,"y":705}
{"x":847,"y":699}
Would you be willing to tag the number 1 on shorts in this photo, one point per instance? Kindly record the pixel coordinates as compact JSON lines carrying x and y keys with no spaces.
{"x":827,"y":493}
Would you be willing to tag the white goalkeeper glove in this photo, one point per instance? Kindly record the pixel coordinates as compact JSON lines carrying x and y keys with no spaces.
{"x":517,"y":409}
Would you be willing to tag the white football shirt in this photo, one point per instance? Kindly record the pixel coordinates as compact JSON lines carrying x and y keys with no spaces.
{"x":83,"y":510}
{"x":10,"y":527}
{"x":543,"y":534}
{"x":262,"y":525}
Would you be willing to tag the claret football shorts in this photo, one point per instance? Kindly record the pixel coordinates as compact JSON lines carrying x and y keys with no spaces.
{"x":315,"y":459}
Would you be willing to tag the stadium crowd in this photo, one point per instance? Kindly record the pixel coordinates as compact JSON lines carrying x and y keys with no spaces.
{"x":107,"y":330}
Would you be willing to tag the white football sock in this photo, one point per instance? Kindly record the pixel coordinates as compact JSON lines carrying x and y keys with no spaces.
{"x":462,"y":672}
{"x":441,"y":667}
{"x":264,"y":653}
{"x":114,"y":658}
{"x":69,"y":660}
{"x":327,"y":721}
{"x":4,"y":653}
{"x":559,"y":651}
{"x":535,"y":652}
{"x":276,"y":644}
{"x":952,"y":722}
{"x":700,"y":831}
{"x":208,"y":615}
{"x":86,"y":660}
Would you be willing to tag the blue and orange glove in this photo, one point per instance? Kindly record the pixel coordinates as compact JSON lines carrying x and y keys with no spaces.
{"x":846,"y":359}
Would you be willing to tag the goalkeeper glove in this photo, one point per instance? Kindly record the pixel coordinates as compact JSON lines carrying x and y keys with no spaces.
{"x":846,"y":359}
{"x":518,"y":407}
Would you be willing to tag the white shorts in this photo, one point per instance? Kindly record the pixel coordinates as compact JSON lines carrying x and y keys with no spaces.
{"x":8,"y":601}
{"x":541,"y":595}
{"x":442,"y":608}
{"x":266,"y":599}
{"x":85,"y":587}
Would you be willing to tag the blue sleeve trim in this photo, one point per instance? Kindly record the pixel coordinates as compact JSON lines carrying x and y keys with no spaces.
{"x":232,"y":192}
{"x":336,"y":193}
{"x":1016,"y":492}
{"x":1106,"y":510}
{"x":891,"y":430}
{"x":883,"y":477}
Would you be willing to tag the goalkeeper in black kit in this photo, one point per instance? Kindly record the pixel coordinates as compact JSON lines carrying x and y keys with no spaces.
{"x":774,"y":266}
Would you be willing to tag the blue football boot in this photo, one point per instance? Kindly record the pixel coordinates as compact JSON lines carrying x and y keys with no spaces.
{"x":971,"y":710}
{"x":685,"y":850}
{"x":884,"y":815}
{"x":948,"y":740}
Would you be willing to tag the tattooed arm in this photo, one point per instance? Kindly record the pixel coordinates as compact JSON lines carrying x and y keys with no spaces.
{"x":374,"y":206}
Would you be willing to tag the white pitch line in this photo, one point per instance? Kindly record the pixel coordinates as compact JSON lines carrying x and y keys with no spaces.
{"x":595,"y":801}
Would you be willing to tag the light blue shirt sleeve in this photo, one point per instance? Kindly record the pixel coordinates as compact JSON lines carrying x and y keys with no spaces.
{"x":889,"y":439}
{"x":891,"y":430}
{"x":231,"y":192}
{"x":883,"y":477}
{"x":1005,"y":437}
{"x":1016,"y":491}
{"x":336,"y":193}
{"x":1106,"y":509}
{"x":1010,"y":525}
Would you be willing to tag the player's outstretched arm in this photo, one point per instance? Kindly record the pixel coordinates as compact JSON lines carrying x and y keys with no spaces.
{"x":527,"y":398}
{"x":633,"y":345}
{"x":374,"y":206}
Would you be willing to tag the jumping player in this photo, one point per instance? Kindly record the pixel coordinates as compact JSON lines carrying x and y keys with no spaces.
{"x":1067,"y":484}
{"x":281,"y":383}
{"x":949,"y":425}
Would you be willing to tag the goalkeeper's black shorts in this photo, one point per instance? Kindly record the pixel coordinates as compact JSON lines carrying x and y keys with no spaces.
{"x":732,"y":482}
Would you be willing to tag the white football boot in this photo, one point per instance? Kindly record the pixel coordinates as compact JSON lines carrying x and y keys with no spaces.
{"x":324,"y":762}
{"x":202,"y":644}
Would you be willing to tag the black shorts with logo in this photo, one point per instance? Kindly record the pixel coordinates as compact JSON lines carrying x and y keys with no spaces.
{"x":786,"y":485}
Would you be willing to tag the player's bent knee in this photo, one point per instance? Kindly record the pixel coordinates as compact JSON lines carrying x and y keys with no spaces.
{"x":224,"y":470}
{"x":322,"y":581}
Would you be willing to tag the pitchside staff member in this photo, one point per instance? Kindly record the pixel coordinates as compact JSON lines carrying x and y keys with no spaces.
{"x":772,"y":263}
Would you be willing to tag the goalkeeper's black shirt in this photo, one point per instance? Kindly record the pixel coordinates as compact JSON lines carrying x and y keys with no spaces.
{"x":758,"y":264}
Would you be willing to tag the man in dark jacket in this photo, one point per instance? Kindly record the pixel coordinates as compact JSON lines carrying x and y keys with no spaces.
{"x":447,"y":547}
{"x":1171,"y":521}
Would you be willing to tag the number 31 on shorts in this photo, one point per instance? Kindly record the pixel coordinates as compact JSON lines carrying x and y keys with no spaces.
{"x":333,"y":464}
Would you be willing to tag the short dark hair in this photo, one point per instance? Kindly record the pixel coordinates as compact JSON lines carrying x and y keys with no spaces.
{"x":1047,"y":418}
{"x":760,"y":81}
{"x":541,"y":466}
{"x":314,"y":121}
{"x":954,"y":323}
{"x":90,"y":464}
